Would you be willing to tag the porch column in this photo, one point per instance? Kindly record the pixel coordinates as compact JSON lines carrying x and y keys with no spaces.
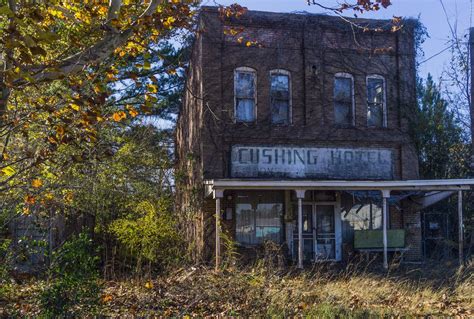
{"x":460,"y":229}
{"x":218,"y":194}
{"x":300,"y":195}
{"x":385,"y":196}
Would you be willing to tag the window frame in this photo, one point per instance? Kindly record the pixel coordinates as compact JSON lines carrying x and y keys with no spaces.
{"x":245,"y":69}
{"x":384,"y":104}
{"x":290,"y":96}
{"x":345,"y":76}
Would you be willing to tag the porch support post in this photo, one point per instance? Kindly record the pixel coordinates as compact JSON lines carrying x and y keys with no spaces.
{"x":385,"y":196}
{"x":300,"y":195}
{"x":218,"y":194}
{"x":460,"y":229}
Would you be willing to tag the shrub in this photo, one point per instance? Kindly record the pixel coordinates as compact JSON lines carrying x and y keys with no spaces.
{"x":73,"y":286}
{"x":149,"y":234}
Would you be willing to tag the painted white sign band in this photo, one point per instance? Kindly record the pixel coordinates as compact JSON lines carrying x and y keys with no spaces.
{"x":311,"y":162}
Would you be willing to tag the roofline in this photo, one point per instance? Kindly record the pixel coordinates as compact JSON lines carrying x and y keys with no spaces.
{"x":215,"y":9}
{"x":405,"y":185}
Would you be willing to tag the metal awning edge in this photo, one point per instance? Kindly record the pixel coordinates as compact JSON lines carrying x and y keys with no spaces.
{"x":422,"y":185}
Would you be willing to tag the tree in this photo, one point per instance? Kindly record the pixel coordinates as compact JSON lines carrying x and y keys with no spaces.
{"x":439,"y":137}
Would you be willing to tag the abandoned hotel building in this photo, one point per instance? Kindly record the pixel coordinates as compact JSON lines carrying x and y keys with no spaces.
{"x":295,"y":129}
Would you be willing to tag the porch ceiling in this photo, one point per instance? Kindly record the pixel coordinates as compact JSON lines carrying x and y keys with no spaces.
{"x":402,"y":185}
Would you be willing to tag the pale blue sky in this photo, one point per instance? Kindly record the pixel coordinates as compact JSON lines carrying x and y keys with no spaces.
{"x":430,"y":12}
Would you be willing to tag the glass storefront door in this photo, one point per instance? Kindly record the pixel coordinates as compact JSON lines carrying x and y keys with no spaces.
{"x":308,"y":233}
{"x":325,"y":232}
{"x":319,"y":232}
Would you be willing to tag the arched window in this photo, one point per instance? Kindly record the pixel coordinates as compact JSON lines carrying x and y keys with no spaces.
{"x":344,"y":103}
{"x":280,"y":96}
{"x":245,"y":92}
{"x":376,"y":101}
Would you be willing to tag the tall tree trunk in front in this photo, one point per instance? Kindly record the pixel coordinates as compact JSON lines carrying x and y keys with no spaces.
{"x":471,"y":102}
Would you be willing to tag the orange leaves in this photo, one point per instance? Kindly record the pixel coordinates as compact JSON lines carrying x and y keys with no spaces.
{"x":106,"y":298}
{"x":30,"y":199}
{"x":234,"y":10}
{"x":37,"y":183}
{"x":119,"y":116}
{"x":132,"y":111}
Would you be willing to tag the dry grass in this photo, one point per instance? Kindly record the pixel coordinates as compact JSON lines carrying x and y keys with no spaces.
{"x":323,"y":292}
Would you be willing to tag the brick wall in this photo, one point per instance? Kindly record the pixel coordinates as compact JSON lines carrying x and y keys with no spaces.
{"x":312,"y":48}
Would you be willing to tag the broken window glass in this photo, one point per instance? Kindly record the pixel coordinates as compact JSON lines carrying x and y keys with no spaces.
{"x":375,"y":102}
{"x":244,"y":96}
{"x":280,"y":98}
{"x":343,"y":114}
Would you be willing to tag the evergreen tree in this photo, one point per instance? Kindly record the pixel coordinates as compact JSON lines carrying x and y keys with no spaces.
{"x":443,"y":148}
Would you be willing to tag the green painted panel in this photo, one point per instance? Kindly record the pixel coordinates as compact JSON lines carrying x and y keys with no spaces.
{"x":364,"y":239}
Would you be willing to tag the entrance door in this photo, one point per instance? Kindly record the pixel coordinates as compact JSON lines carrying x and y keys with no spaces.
{"x":325,"y":246}
{"x":308,"y":233}
{"x":321,"y":232}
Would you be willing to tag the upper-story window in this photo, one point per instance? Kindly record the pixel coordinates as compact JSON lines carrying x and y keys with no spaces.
{"x":376,"y":101}
{"x":245,"y":80}
{"x":344,"y":106}
{"x":280,"y":95}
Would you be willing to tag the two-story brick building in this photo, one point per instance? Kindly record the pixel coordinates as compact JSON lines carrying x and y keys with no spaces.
{"x":295,"y":129}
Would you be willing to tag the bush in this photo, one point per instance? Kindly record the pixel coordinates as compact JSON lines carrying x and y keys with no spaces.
{"x":149,"y":235}
{"x":73,"y":286}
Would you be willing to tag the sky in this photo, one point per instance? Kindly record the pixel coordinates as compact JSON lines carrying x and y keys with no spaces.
{"x":430,"y":12}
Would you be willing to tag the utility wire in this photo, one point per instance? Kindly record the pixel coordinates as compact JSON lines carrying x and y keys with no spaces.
{"x":436,"y":54}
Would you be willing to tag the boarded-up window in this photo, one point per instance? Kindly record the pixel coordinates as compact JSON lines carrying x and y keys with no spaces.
{"x":280,"y":97}
{"x":376,"y":111}
{"x":259,"y":217}
{"x":244,"y":82}
{"x":343,"y":100}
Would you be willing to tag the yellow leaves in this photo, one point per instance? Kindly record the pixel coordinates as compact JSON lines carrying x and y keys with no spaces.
{"x":168,"y":23}
{"x":49,"y":196}
{"x":102,"y":10}
{"x":26,"y":211}
{"x":147,"y":65}
{"x":119,"y":116}
{"x":149,"y":285}
{"x":55,"y":12}
{"x":152,"y":88}
{"x":132,"y":111}
{"x":8,"y":171}
{"x":68,"y":196}
{"x":37,"y":183}
{"x":74,"y":106}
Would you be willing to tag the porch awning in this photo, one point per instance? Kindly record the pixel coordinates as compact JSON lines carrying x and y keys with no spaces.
{"x":400,"y":185}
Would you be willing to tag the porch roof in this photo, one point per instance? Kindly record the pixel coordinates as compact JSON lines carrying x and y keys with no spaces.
{"x":398,"y":185}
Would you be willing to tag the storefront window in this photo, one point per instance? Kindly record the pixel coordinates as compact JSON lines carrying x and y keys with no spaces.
{"x":366,"y":212}
{"x":259,"y":217}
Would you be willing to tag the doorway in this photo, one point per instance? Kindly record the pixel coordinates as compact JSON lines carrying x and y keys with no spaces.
{"x":321,"y":232}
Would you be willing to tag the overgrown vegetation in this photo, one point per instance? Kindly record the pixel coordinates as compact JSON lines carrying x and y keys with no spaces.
{"x":72,"y":287}
{"x":326,"y":291}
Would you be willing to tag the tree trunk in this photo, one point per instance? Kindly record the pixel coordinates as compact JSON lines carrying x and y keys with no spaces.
{"x":471,"y":103}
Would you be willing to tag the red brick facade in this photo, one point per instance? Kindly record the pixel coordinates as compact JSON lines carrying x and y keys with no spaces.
{"x":313,"y":48}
